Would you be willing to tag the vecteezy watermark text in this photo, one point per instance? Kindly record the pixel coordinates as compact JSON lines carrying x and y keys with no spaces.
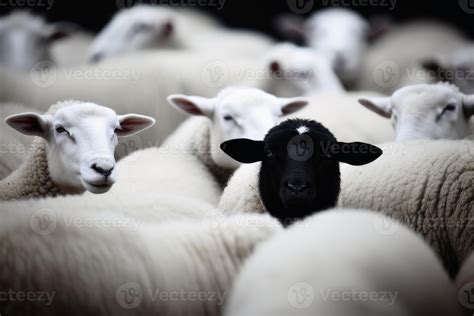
{"x":11,"y":295}
{"x":47,"y":4}
{"x":131,"y":294}
{"x":305,"y":6}
{"x":219,"y":4}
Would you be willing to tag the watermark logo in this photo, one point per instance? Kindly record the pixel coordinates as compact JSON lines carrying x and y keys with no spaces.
{"x":466,"y":295}
{"x":301,"y":148}
{"x":386,"y":74}
{"x":215,"y":224}
{"x":129,"y":295}
{"x":215,"y":74}
{"x":301,"y":6}
{"x":467,"y":6}
{"x":384,"y":225}
{"x":43,"y":222}
{"x":301,"y":295}
{"x":44,"y":74}
{"x":128,"y":145}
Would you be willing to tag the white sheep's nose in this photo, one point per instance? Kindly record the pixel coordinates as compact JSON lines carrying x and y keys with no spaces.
{"x":96,"y":57}
{"x":103,"y":167}
{"x":340,"y":61}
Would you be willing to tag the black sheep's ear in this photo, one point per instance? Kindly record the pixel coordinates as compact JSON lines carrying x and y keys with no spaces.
{"x":356,"y":154}
{"x":244,"y":150}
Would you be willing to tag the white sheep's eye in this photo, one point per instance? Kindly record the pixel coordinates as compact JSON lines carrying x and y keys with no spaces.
{"x":141,"y":27}
{"x":228,"y":118}
{"x":61,"y":130}
{"x":450,"y":107}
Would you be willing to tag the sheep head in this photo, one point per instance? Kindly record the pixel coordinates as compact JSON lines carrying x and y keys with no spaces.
{"x":139,"y":28}
{"x":237,"y":112}
{"x":81,"y":139}
{"x":437,"y":111}
{"x":299,"y":173}
{"x":26,"y":40}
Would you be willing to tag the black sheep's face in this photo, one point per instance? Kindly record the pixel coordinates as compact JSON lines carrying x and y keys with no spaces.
{"x":293,"y":162}
{"x":299,"y":174}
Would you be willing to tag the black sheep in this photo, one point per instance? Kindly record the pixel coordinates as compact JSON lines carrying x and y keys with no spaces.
{"x":299,"y":174}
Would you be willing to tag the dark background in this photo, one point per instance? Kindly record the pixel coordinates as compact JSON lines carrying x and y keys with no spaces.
{"x":250,"y":14}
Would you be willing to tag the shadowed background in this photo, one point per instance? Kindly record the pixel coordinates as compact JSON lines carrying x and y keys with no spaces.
{"x":251,"y":14}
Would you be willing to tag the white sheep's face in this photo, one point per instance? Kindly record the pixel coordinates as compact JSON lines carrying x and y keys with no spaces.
{"x":25,"y":41}
{"x":237,"y":112}
{"x":298,"y":70}
{"x":81,"y":142}
{"x":341,"y":36}
{"x":426,"y":112}
{"x":131,"y":30}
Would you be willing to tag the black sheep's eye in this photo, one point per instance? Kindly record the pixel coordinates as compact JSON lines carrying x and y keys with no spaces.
{"x":268,"y":152}
{"x":61,"y":130}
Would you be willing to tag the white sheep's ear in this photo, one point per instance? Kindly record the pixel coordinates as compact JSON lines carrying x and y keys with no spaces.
{"x":468,"y":105}
{"x":192,"y":104}
{"x":30,"y":123}
{"x":132,"y":124}
{"x":60,"y":30}
{"x":380,"y":105}
{"x":290,"y":26}
{"x":291,"y":105}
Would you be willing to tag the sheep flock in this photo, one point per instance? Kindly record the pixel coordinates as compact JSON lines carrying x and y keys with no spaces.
{"x":172,"y":165}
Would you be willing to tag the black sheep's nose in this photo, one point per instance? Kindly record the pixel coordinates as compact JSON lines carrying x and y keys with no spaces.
{"x":297,"y":188}
{"x":106,"y":172}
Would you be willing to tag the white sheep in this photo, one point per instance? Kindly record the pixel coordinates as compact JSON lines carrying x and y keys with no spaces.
{"x":428,"y":185}
{"x":148,"y":27}
{"x":26,"y":40}
{"x":131,"y":84}
{"x":14,"y":146}
{"x":297,"y":70}
{"x":436,"y":111}
{"x":343,"y":262}
{"x":338,"y":34}
{"x":72,"y":50}
{"x":102,"y":263}
{"x":235,"y":112}
{"x":395,"y":59}
{"x":73,"y":151}
{"x":345,"y":118}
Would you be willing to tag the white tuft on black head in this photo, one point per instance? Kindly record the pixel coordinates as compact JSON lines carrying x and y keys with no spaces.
{"x":302,"y":129}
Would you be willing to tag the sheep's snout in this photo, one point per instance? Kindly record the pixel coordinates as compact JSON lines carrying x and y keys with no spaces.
{"x":296,"y":190}
{"x":96,"y":58}
{"x":98,"y":175}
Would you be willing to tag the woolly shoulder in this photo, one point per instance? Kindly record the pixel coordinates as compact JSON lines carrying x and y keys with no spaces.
{"x":429,"y":185}
{"x":162,"y":171}
{"x":241,"y":194}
